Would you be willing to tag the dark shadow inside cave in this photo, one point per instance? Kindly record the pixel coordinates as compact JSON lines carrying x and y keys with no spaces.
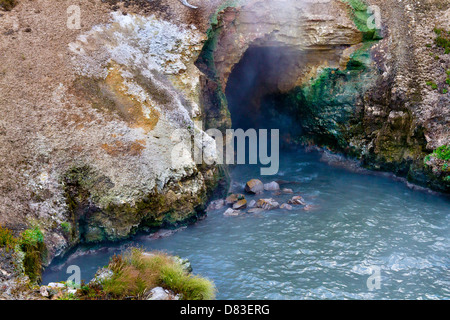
{"x":255,"y":97}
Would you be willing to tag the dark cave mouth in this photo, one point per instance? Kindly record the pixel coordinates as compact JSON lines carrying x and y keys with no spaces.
{"x":255,"y":99}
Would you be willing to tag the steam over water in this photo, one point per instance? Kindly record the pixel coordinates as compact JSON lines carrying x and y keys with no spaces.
{"x":360,"y":221}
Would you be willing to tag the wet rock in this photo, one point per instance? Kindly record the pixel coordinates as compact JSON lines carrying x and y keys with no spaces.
{"x":254,"y":186}
{"x":216,"y":205}
{"x":102,"y":275}
{"x":272,"y":186}
{"x":297,"y":200}
{"x":281,"y":182}
{"x":241,"y":204}
{"x":44,"y":291}
{"x":185,"y":263}
{"x":287,"y":191}
{"x":286,"y":206}
{"x":159,"y":293}
{"x":56,"y":285}
{"x":233,"y":198}
{"x":72,"y":291}
{"x":267,"y":204}
{"x":255,"y":210}
{"x":231,"y":213}
{"x":251,"y":204}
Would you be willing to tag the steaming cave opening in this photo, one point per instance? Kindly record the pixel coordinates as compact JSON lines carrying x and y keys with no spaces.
{"x":259,"y":90}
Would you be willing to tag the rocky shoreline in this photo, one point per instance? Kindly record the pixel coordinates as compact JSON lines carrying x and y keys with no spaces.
{"x":89,"y":114}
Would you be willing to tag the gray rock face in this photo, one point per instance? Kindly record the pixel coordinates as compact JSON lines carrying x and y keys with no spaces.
{"x":98,"y":131}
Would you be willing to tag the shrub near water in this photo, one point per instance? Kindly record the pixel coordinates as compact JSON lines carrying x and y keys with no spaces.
{"x":32,"y":244}
{"x":135,"y":273}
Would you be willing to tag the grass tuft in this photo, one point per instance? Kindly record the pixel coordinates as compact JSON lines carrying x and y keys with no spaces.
{"x":136,"y":272}
{"x":7,"y":239}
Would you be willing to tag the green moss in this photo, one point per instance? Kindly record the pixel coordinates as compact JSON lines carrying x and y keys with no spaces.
{"x":443,"y":39}
{"x":66,"y":227}
{"x":32,"y":245}
{"x":7,"y":239}
{"x":443,"y":153}
{"x":360,"y":15}
{"x":432,"y":84}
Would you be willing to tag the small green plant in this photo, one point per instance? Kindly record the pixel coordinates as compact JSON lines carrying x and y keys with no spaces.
{"x":135,"y":272}
{"x":68,"y":296}
{"x":432,"y":84}
{"x":66,"y":227}
{"x":7,"y":239}
{"x":32,"y":237}
{"x":443,"y":153}
{"x":32,"y":244}
{"x":443,"y":39}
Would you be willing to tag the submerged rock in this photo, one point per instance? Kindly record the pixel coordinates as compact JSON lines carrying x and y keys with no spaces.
{"x":286,"y":190}
{"x":233,"y":198}
{"x":272,"y":186}
{"x":216,"y":205}
{"x":267,"y":204}
{"x":254,"y":186}
{"x":286,"y":206}
{"x":231,"y":213}
{"x":241,"y":204}
{"x":255,"y":210}
{"x":297,"y":200}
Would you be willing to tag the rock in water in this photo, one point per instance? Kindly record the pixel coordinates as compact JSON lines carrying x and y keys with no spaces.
{"x":287,"y":190}
{"x":216,"y":205}
{"x":233,"y":198}
{"x":267,"y":204}
{"x":286,"y":206}
{"x":272,"y":186}
{"x":297,"y":200}
{"x":241,"y":204}
{"x":255,"y":210}
{"x":231,"y":213}
{"x":254,"y":186}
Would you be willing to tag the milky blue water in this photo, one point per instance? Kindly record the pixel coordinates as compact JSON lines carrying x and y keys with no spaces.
{"x":360,"y":223}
